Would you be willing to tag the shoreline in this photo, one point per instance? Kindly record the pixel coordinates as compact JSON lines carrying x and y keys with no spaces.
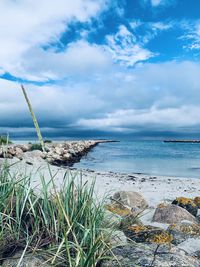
{"x":155,"y":188}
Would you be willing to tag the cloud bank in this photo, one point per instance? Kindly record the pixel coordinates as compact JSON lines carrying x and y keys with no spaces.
{"x":102,"y":104}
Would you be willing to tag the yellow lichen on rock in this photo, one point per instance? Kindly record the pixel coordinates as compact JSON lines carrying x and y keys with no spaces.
{"x":190,"y":229}
{"x":118,"y":209}
{"x":185,"y":201}
{"x":172,"y":226}
{"x":137,"y":228}
{"x":197,"y":201}
{"x":162,"y":205}
{"x":161,"y":238}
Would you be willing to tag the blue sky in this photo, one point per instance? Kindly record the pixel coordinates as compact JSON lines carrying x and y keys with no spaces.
{"x":100,"y":65}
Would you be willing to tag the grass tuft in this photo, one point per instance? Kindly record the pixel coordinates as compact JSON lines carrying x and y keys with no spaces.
{"x":36,"y":146}
{"x":4,"y":140}
{"x":64,"y":226}
{"x":47,"y":141}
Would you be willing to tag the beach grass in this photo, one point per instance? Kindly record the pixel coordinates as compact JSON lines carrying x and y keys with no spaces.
{"x":64,"y":226}
{"x":4,"y":140}
{"x":36,"y":146}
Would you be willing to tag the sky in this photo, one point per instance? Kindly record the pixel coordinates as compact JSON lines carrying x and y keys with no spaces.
{"x":122,"y":66}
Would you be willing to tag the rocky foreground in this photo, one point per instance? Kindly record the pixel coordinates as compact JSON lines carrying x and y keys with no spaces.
{"x":175,"y":242}
{"x":156,"y":219}
{"x":58,"y":154}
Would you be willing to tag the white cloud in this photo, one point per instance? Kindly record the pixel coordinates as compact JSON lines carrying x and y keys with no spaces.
{"x":191,"y":34}
{"x":149,"y":30}
{"x":153,"y":118}
{"x":25,"y":26}
{"x":161,"y":25}
{"x":163,"y":96}
{"x":125,"y":47}
{"x":158,"y":3}
{"x":78,"y":59}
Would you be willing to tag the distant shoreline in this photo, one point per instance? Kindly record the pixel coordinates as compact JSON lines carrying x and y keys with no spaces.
{"x":181,"y":141}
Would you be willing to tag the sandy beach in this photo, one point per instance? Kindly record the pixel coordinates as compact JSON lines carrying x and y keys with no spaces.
{"x":155,"y":189}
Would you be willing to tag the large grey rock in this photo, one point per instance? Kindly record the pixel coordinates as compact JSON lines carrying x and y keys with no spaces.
{"x":132,"y":199}
{"x":19,"y":153}
{"x":184,"y":230}
{"x":172,"y":214}
{"x":25,"y":147}
{"x":27,"y":261}
{"x":191,"y":246}
{"x":118,"y":238}
{"x":148,"y":234}
{"x":130,"y":220}
{"x":186,"y":203}
{"x":133,"y":255}
{"x":11,"y":151}
{"x":112,"y":220}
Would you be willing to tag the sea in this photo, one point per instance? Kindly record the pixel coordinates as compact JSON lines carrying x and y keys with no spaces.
{"x":151,"y":157}
{"x":132,"y":155}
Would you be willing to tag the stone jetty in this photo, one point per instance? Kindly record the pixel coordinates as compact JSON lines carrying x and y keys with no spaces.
{"x":181,"y":141}
{"x":60,"y":154}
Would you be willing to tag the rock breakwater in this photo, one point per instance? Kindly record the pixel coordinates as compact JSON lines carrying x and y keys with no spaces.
{"x":60,"y":154}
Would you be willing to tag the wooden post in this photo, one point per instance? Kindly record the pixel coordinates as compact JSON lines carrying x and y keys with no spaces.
{"x":34,"y":118}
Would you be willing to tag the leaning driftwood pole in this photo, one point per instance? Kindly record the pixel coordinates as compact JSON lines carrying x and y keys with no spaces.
{"x":34,"y":118}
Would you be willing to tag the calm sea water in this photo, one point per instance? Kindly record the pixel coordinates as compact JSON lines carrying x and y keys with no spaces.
{"x":148,"y":157}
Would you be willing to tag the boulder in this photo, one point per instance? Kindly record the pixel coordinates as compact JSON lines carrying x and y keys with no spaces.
{"x":59,"y":150}
{"x":66,"y":156}
{"x":28,"y":260}
{"x":11,"y":151}
{"x":118,"y":238}
{"x":19,"y":153}
{"x":132,"y":199}
{"x":186,"y":203}
{"x":197,"y":254}
{"x":119,"y":217}
{"x":184,"y":230}
{"x":24,"y":148}
{"x":191,"y":246}
{"x":130,"y":220}
{"x":72,"y":152}
{"x":198,"y":218}
{"x":118,"y":209}
{"x":148,"y":234}
{"x":169,"y":213}
{"x":197,"y":201}
{"x":112,"y":220}
{"x":133,"y":254}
